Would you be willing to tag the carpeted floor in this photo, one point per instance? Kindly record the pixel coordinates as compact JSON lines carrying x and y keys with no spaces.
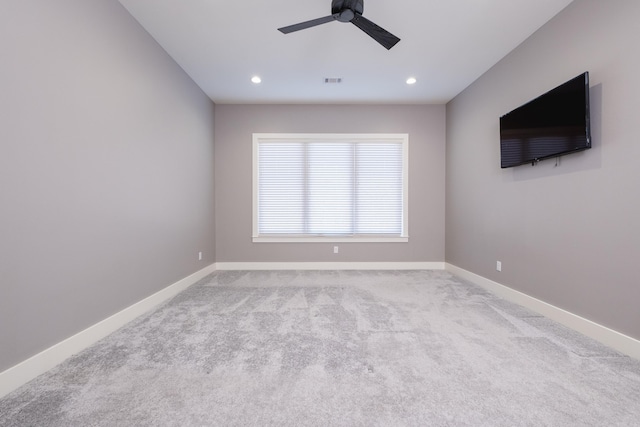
{"x":335,"y":348}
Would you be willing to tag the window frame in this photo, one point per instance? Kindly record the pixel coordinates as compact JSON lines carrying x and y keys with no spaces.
{"x":402,"y":138}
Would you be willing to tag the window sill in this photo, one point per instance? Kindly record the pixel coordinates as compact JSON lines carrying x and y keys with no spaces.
{"x":328,"y":239}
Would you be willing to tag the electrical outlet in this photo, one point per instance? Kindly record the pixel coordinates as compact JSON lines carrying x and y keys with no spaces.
{"x":498,"y":266}
{"x":199,"y":256}
{"x":336,"y":249}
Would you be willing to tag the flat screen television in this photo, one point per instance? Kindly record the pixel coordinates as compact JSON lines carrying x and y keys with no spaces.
{"x":551,"y":125}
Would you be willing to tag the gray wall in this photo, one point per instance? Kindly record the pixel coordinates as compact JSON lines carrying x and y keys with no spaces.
{"x":234,"y":126}
{"x":106,"y":170}
{"x":570,"y":234}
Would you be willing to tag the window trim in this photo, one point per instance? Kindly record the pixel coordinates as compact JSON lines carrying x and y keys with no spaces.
{"x":403,"y":138}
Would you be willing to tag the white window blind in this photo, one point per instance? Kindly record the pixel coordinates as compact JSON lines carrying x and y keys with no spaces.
{"x":347,"y":186}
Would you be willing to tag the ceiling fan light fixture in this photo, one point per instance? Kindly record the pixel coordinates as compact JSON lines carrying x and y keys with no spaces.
{"x":412,"y":81}
{"x":256,"y":80}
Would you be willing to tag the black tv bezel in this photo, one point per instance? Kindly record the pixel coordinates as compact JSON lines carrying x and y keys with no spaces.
{"x":587,"y":130}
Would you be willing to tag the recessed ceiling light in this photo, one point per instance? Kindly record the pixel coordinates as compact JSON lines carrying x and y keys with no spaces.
{"x":256,"y":79}
{"x":411,"y":81}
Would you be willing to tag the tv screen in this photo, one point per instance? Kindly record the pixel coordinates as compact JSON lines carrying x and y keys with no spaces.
{"x":551,"y":125}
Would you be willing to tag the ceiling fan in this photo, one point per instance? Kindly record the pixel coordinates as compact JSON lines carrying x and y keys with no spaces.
{"x":349,"y":11}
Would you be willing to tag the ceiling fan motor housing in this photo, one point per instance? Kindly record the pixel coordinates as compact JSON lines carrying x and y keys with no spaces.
{"x":347,"y":9}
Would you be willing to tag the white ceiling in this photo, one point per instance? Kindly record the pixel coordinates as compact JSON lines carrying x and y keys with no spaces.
{"x":445,"y":45}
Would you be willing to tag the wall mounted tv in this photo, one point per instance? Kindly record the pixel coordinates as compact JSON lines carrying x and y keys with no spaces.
{"x":551,"y":125}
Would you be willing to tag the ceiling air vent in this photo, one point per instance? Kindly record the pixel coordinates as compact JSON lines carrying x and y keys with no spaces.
{"x":332,"y":80}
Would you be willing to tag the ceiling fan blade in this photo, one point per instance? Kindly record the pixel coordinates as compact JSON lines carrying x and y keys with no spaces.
{"x":308,"y":24}
{"x":379,"y":34}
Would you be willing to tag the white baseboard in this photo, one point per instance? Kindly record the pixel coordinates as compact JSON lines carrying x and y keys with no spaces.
{"x":620,"y":342}
{"x":29,"y":369}
{"x":233,"y":266}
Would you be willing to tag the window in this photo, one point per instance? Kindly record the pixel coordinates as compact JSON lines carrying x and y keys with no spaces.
{"x":330,"y":187}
